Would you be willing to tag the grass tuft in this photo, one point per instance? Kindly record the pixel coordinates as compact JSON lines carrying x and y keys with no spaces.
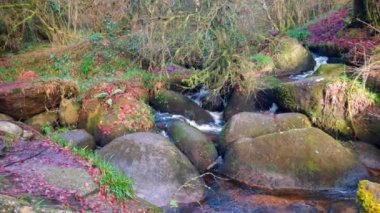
{"x":114,"y":182}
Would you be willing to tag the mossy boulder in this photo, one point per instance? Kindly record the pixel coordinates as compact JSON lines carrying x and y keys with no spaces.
{"x":213,"y":103}
{"x":110,"y":110}
{"x":368,"y":196}
{"x":22,"y":100}
{"x":291,"y":57}
{"x":295,"y":160}
{"x":329,"y":103}
{"x":176,"y":103}
{"x":194,"y":144}
{"x":367,"y":125}
{"x":157,"y":167}
{"x":49,"y":118}
{"x":331,"y":70}
{"x":240,"y":101}
{"x":252,"y":125}
{"x":69,"y":112}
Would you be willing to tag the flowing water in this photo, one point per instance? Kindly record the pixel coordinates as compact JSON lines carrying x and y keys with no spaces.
{"x":224,"y":195}
{"x":319,"y":61}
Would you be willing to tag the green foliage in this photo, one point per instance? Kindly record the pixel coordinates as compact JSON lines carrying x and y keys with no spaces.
{"x":116,"y":183}
{"x":87,"y":63}
{"x":7,"y":74}
{"x":261,"y":60}
{"x":300,"y":34}
{"x":61,"y":65}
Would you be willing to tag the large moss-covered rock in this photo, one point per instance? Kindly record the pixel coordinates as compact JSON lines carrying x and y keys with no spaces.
{"x":368,"y":196}
{"x":252,"y":125}
{"x":110,"y":110}
{"x":291,"y":57}
{"x":331,"y":70}
{"x":194,"y":144}
{"x":330,"y":104}
{"x":299,"y":159}
{"x":176,"y":103}
{"x":158,"y":169}
{"x":21,"y":100}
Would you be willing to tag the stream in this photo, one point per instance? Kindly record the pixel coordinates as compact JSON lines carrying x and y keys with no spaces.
{"x":224,"y":195}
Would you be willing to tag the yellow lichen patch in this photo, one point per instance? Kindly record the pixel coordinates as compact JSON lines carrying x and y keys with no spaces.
{"x":368,"y":196}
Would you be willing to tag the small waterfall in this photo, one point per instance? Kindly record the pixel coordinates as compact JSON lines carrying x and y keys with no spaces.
{"x":319,"y":61}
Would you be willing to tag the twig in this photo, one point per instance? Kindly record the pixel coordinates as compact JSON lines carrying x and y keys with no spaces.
{"x":369,"y":25}
{"x":28,"y":158}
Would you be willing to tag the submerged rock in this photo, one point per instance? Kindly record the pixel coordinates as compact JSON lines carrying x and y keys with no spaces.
{"x":79,"y":138}
{"x":369,"y":196}
{"x":299,"y":159}
{"x":194,"y":144}
{"x":252,"y":125}
{"x":21,"y":100}
{"x":292,"y":58}
{"x":176,"y":103}
{"x":158,"y":169}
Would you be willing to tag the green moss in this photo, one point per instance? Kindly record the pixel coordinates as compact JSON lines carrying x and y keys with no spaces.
{"x":331,"y":70}
{"x":285,"y":95}
{"x":366,"y":199}
{"x":93,"y":119}
{"x":162,"y":98}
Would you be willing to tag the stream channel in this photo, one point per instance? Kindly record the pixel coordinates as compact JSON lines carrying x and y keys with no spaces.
{"x":224,"y":195}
